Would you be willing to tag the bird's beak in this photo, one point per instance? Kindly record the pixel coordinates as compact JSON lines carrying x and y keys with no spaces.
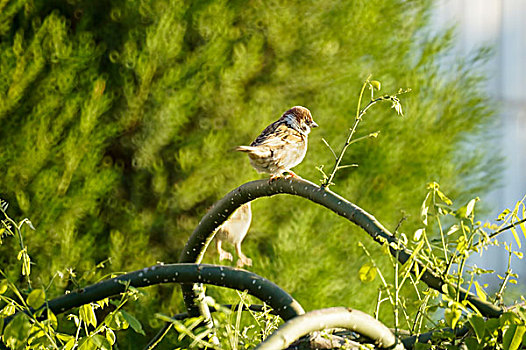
{"x":313,"y":124}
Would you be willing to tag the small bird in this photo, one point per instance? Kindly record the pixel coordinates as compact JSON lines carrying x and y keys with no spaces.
{"x":283,"y":144}
{"x":234,"y":231}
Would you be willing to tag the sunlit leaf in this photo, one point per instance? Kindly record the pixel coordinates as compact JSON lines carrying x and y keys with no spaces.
{"x":8,"y":310}
{"x":452,"y":229}
{"x":480,"y":291}
{"x":418,"y":234}
{"x":104,"y":302}
{"x":367,"y":272}
{"x":516,"y":236}
{"x":36,"y":298}
{"x":512,"y":338}
{"x":3,"y":286}
{"x":452,"y":315}
{"x":87,"y":314}
{"x":376,"y":84}
{"x":471,"y":206}
{"x":443,"y":197}
{"x":51,"y":319}
{"x":502,"y":216}
{"x":523,"y":228}
{"x":70,"y":344}
{"x":424,"y":210}
{"x":116,"y":321}
{"x":110,"y":335}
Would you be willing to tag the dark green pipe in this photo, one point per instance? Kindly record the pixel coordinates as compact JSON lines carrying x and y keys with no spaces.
{"x":204,"y":232}
{"x":335,"y":317}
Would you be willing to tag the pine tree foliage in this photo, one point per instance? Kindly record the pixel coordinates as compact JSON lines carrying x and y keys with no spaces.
{"x":118,"y":120}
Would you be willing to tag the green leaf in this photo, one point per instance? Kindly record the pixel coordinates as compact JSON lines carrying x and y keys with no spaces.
{"x":110,"y":335}
{"x":3,"y":286}
{"x":513,"y":335}
{"x":70,"y":344}
{"x":26,"y":261}
{"x":422,"y":346}
{"x":452,"y":315}
{"x":17,"y":331}
{"x":443,"y":197}
{"x":523,"y":228}
{"x":502,"y":216}
{"x":480,"y":291}
{"x":479,"y":326}
{"x":101,"y":342}
{"x":87,"y":314}
{"x":64,"y":337}
{"x":36,"y":298}
{"x":367,"y":272}
{"x":454,"y":228}
{"x":424,"y":209}
{"x":418,"y":234}
{"x":472,"y":343}
{"x":8,"y":310}
{"x":51,"y":319}
{"x":516,"y":236}
{"x":492,"y":325}
{"x":133,"y":322}
{"x":376,"y":84}
{"x":469,"y":208}
{"x":508,"y":318}
{"x":116,"y":321}
{"x":104,"y":302}
{"x":86,"y":343}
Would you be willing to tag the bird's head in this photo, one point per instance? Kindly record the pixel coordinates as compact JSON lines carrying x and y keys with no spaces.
{"x":299,"y":118}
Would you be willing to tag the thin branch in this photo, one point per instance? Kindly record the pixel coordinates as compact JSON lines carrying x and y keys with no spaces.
{"x":499,"y":231}
{"x":329,"y":146}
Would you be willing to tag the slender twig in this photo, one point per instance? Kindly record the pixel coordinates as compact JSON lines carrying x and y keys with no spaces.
{"x":499,"y":231}
{"x":358,"y":117}
{"x":357,"y":120}
{"x":498,"y":295}
{"x":329,"y":146}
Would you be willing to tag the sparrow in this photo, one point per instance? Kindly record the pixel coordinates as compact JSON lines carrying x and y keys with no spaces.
{"x":282,"y":145}
{"x":234,"y":231}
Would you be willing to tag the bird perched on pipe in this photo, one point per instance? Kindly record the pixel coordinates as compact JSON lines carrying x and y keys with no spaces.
{"x":234,"y":231}
{"x":283,"y":144}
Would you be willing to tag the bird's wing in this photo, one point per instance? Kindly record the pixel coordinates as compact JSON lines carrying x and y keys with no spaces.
{"x":277,"y":134}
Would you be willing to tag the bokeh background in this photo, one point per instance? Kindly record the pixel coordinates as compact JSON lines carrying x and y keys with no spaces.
{"x":499,"y":24}
{"x":118,"y":120}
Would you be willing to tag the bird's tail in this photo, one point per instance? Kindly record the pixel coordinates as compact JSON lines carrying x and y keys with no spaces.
{"x":256,"y":151}
{"x":246,"y":149}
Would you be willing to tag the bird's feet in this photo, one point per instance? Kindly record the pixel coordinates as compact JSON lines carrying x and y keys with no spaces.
{"x":224,"y":255}
{"x":243,"y":260}
{"x":289,"y":174}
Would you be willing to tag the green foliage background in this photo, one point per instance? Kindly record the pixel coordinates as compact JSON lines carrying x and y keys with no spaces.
{"x":118,"y":120}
